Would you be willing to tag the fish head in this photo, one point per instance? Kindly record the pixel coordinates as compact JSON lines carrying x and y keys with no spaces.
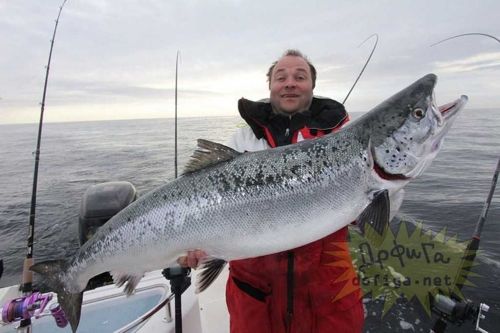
{"x":407,"y":130}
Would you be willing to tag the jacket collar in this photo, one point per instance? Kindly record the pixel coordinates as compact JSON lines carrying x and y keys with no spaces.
{"x":323,"y":114}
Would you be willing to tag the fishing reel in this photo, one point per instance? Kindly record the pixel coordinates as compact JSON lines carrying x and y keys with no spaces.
{"x":32,"y":306}
{"x":457,"y":312}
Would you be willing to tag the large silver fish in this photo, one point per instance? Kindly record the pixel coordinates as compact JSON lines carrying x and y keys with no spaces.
{"x":236,"y":206}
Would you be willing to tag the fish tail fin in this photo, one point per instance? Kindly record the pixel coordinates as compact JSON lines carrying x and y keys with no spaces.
{"x":71,"y":303}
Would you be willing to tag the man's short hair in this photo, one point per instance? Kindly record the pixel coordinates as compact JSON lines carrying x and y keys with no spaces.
{"x":293,"y":53}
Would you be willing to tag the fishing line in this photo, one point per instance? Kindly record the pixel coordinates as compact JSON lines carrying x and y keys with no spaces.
{"x":366,"y":64}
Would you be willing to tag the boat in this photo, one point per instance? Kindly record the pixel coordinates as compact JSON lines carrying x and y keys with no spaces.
{"x":108,"y":309}
{"x":105,"y":307}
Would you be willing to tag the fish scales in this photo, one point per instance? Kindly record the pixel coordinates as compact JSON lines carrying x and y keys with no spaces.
{"x":238,"y":197}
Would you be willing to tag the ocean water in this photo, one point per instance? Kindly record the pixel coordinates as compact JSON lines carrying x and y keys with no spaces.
{"x":76,"y":155}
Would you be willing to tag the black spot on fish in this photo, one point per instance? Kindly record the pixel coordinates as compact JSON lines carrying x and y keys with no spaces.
{"x":295,"y":169}
{"x":164,"y":197}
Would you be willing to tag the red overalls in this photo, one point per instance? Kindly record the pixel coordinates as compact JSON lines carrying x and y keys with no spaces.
{"x":326,"y":297}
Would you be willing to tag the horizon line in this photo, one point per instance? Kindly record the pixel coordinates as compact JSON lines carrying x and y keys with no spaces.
{"x":185,"y":116}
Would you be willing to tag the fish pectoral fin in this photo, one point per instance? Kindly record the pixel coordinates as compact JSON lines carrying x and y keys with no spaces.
{"x":130,"y":280}
{"x":209,"y":153}
{"x":210,"y":268}
{"x":374,"y":220}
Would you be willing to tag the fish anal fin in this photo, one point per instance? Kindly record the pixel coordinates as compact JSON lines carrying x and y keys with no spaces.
{"x":210,"y":269}
{"x":209,"y":153}
{"x":130,"y":280}
{"x":376,"y":216}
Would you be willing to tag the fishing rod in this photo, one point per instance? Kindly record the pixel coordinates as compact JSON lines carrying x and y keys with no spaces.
{"x":467,"y":34}
{"x":446,"y":307}
{"x":175,"y":116}
{"x":364,"y":67}
{"x":27,"y":281}
{"x":179,"y":277}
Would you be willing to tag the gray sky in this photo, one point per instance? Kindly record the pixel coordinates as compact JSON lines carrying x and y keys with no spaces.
{"x":115,"y":59}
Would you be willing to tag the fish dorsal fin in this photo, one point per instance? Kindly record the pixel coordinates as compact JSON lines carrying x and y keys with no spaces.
{"x":374,"y":220}
{"x":210,"y":270}
{"x":209,"y":153}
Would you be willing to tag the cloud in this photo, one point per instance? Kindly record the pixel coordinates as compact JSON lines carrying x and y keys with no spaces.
{"x":480,"y":61}
{"x":121,"y":53}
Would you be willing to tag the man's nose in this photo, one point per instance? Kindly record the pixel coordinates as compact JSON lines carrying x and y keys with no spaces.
{"x":290,"y":83}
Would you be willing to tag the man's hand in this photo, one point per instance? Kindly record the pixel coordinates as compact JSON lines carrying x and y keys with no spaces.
{"x":192,"y":259}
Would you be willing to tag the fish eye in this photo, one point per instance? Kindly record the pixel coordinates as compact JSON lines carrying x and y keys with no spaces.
{"x":418,"y":113}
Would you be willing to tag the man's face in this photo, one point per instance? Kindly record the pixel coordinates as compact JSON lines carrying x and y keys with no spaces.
{"x":291,"y":85}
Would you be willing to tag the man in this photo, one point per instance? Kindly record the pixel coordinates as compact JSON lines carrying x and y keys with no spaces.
{"x":301,"y":290}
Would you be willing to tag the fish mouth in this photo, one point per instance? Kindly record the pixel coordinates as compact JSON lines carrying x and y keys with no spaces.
{"x":449,"y":109}
{"x":387,"y":176}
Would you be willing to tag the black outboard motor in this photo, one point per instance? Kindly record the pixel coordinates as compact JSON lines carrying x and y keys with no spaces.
{"x":100,"y":203}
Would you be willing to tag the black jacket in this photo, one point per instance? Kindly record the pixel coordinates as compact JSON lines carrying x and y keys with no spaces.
{"x":324,"y":114}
